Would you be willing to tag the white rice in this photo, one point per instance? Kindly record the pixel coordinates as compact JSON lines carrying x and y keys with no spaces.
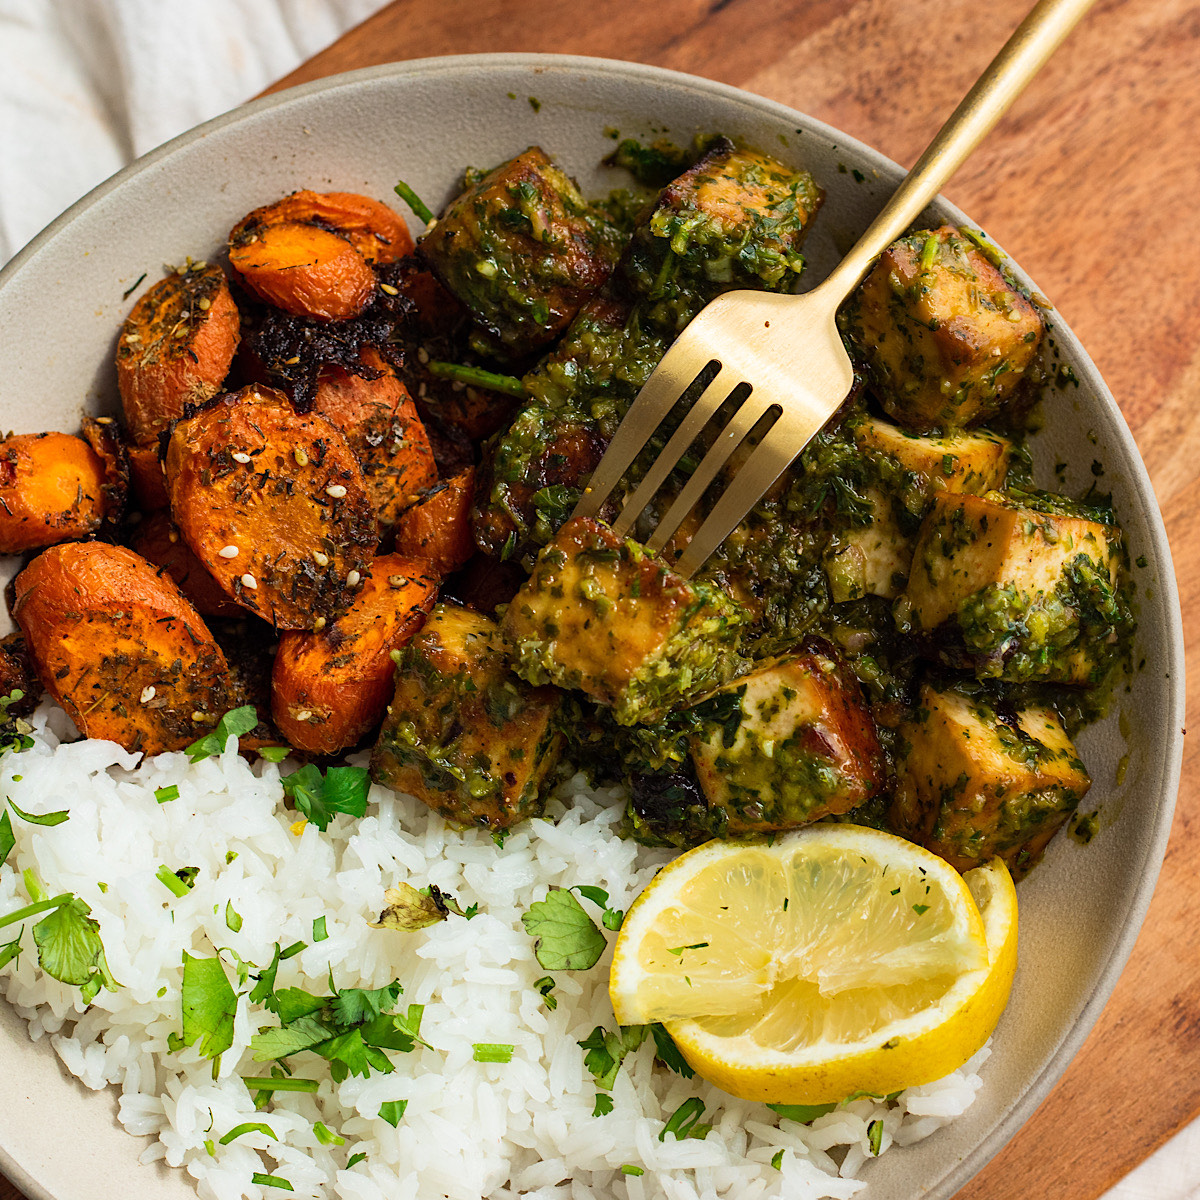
{"x":471,"y":1129}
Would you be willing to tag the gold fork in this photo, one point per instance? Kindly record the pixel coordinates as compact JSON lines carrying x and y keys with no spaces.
{"x":786,"y":348}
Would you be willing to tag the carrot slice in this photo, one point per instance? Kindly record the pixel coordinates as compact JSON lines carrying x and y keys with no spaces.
{"x":158,"y":541}
{"x":51,"y":490}
{"x":376,"y":231}
{"x":175,"y":348}
{"x":274,"y":506}
{"x":147,"y":478}
{"x":305,"y":270}
{"x":379,"y":420}
{"x":120,"y":648}
{"x":437,"y":528}
{"x":330,"y":688}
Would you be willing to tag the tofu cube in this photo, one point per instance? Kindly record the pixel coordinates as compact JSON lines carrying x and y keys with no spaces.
{"x":908,"y":470}
{"x":1016,"y":592}
{"x":944,"y":336}
{"x":736,"y":219}
{"x":787,"y":744}
{"x":462,"y":733}
{"x":976,"y":781}
{"x":522,"y":250}
{"x":602,"y":615}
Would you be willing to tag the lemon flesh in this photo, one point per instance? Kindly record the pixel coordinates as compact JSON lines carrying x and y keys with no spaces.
{"x":838,"y":959}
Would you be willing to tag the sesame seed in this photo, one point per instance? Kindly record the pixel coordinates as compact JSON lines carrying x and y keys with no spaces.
{"x":335,"y":490}
{"x":300,"y":456}
{"x":291,"y":362}
{"x":199,"y":716}
{"x":133,"y":337}
{"x":147,"y":694}
{"x":388,"y":289}
{"x":397,"y":581}
{"x":240,"y":456}
{"x":104,"y":420}
{"x":228,"y":552}
{"x":352,"y":580}
{"x":172,"y":536}
{"x":322,"y":560}
{"x":318,"y":624}
{"x":304,"y":715}
{"x":249,"y":581}
{"x":422,"y":355}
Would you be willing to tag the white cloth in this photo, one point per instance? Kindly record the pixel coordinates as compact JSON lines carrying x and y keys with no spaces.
{"x":87,"y":85}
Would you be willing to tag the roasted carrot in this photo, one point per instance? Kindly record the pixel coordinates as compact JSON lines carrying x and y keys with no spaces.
{"x":147,"y":478}
{"x":274,"y":506}
{"x":376,"y":231}
{"x":379,"y":420}
{"x":158,"y":541}
{"x":437,"y":529}
{"x":51,"y":490}
{"x":330,"y":688}
{"x":304,"y":269}
{"x":175,"y":348}
{"x":120,"y":648}
{"x":103,"y":434}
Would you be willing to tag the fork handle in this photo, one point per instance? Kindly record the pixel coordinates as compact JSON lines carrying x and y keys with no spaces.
{"x":1021,"y":57}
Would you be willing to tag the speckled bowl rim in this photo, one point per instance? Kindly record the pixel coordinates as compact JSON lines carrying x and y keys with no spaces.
{"x":1138,"y":900}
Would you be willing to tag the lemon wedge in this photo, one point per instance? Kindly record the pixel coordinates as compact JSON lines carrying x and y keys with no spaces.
{"x":838,"y":959}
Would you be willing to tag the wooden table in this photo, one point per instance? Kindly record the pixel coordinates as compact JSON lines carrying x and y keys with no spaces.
{"x":1105,"y":139}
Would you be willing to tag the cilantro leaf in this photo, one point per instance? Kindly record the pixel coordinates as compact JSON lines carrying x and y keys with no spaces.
{"x":875,"y":1137}
{"x":292,"y":1003}
{"x":320,"y":933}
{"x":274,"y":754}
{"x":7,"y":841}
{"x":209,"y":1004}
{"x":802,"y":1112}
{"x":353,"y":1006}
{"x":389,"y":1032}
{"x":275,"y":1181}
{"x":54,"y":818}
{"x":603,"y":1105}
{"x":632,"y":1169}
{"x":354,"y":1159}
{"x":667,"y":1052}
{"x":545,"y":985}
{"x":233,"y":724}
{"x":303,"y":1033}
{"x":11,"y":950}
{"x":319,"y":798}
{"x":264,"y":990}
{"x":166,"y":794}
{"x":567,"y":938}
{"x":777,"y":1160}
{"x":326,"y":1136}
{"x":392,"y":1111}
{"x":69,"y":946}
{"x":348,"y":1052}
{"x":611,"y":918}
{"x":233,"y":919}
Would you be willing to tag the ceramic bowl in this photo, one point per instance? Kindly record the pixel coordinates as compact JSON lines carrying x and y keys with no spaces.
{"x":61,"y":303}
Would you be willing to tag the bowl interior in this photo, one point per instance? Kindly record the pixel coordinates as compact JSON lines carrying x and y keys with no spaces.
{"x":61,"y":304}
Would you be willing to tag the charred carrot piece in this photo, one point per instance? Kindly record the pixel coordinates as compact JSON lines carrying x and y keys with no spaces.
{"x":305,"y":270}
{"x":374,"y":229}
{"x":274,"y":506}
{"x":147,"y":479}
{"x":380,"y":421}
{"x":175,"y":348}
{"x":120,"y":648}
{"x":51,"y":490}
{"x":158,"y":541}
{"x":437,"y":529}
{"x":329,"y":688}
{"x":103,"y":434}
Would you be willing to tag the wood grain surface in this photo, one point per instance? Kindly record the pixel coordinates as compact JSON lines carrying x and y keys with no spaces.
{"x":1105,"y":141}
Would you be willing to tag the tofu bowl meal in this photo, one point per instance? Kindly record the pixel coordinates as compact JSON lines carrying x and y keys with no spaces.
{"x":375,"y":828}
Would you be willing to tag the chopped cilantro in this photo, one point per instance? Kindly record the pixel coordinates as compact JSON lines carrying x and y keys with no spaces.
{"x":667,"y":1052}
{"x":803,"y":1113}
{"x":492,"y":1052}
{"x":684,"y":1122}
{"x":70,"y":950}
{"x":319,"y":931}
{"x":7,"y":841}
{"x":233,"y":724}
{"x":54,"y":818}
{"x":209,"y":1005}
{"x":174,"y":881}
{"x":392,"y":1111}
{"x":319,"y":797}
{"x":681,"y":949}
{"x":631,"y":1169}
{"x":274,"y":754}
{"x":603,"y":1105}
{"x":545,"y":985}
{"x":611,"y":918}
{"x":875,"y":1136}
{"x":354,"y":1159}
{"x":163,"y":794}
{"x":920,"y":909}
{"x":292,"y":950}
{"x":11,"y":950}
{"x":326,"y":1136}
{"x":567,"y":938}
{"x":255,"y":1083}
{"x":275,"y":1181}
{"x":605,"y":1051}
{"x":233,"y":920}
{"x":248,"y":1127}
{"x":777,"y":1160}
